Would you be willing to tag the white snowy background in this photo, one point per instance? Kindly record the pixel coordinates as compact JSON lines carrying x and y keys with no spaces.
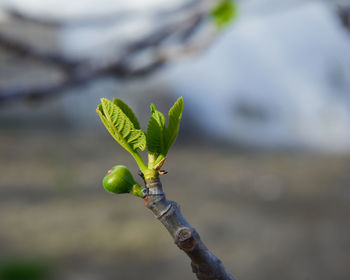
{"x":278,"y":77}
{"x":275,"y":79}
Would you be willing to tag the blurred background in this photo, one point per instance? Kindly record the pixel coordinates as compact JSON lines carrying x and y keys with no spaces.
{"x":261,"y":167}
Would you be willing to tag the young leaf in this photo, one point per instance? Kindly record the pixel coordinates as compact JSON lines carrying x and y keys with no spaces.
{"x":159,"y":137}
{"x":159,"y":117}
{"x":121,"y":127}
{"x":154,"y":136}
{"x":155,"y":133}
{"x":224,"y":13}
{"x":174,"y":118}
{"x":127,"y":111}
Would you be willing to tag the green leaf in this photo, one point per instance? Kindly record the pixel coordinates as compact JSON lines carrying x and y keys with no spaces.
{"x":127,"y":111}
{"x":224,"y":13}
{"x":159,"y":137}
{"x":159,"y":117}
{"x":154,"y":136}
{"x":121,"y":127}
{"x":174,"y":118}
{"x":155,"y":133}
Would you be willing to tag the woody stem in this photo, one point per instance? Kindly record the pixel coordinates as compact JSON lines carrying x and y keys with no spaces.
{"x":204,"y":264}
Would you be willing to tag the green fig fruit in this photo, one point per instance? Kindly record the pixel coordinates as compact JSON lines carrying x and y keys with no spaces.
{"x":119,"y":180}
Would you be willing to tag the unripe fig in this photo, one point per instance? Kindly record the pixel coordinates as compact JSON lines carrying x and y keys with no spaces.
{"x":119,"y":180}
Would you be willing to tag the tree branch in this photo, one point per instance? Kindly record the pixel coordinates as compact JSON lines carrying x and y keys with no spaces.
{"x":105,"y":19}
{"x":344,"y":14}
{"x":77,"y":77}
{"x":125,"y":65}
{"x":137,"y":58}
{"x":204,"y":264}
{"x":25,"y":50}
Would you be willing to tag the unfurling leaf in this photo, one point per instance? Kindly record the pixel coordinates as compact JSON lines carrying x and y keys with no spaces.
{"x":174,"y":118}
{"x":159,"y":137}
{"x":154,"y":136}
{"x":155,"y":132}
{"x":120,"y":122}
{"x":124,"y":127}
{"x":127,"y":111}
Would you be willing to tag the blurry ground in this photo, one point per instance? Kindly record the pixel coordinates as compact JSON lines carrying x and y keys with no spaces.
{"x":266,"y":216}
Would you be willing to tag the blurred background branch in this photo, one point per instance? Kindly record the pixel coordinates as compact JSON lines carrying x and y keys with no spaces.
{"x":344,"y":12}
{"x":133,"y":59}
{"x":188,"y":31}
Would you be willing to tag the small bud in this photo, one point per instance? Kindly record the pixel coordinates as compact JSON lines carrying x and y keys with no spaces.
{"x":119,"y":180}
{"x":160,"y":164}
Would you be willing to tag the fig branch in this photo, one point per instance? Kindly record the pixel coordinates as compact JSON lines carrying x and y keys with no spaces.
{"x":124,"y":127}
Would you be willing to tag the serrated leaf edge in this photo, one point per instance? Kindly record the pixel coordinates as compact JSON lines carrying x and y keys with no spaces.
{"x":109,"y":123}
